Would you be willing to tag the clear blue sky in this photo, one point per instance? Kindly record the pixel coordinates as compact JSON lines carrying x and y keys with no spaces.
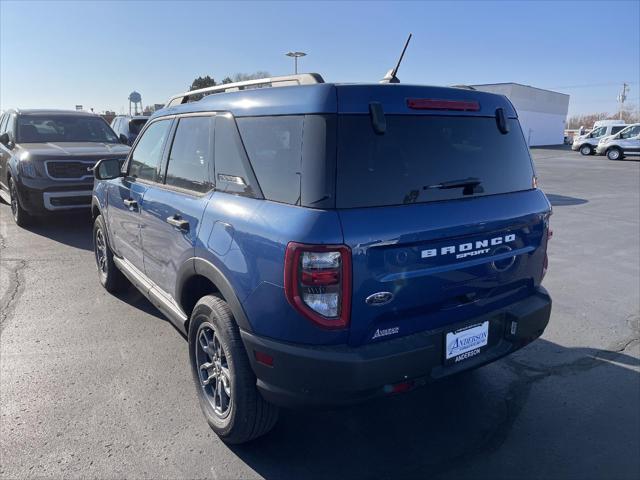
{"x":59,"y":54}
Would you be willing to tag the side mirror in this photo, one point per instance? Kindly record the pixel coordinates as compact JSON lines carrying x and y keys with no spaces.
{"x":5,"y":140}
{"x":108,"y":169}
{"x":123,"y":139}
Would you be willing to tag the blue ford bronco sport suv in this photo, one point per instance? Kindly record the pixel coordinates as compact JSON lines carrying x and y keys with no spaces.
{"x":322,"y":244}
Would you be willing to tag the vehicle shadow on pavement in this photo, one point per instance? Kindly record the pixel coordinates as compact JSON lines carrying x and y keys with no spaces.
{"x":563,"y":200}
{"x":133,"y":297}
{"x":565,"y":413}
{"x":74,"y":230}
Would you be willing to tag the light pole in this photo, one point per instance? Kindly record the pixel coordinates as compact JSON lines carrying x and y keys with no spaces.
{"x":295,"y":56}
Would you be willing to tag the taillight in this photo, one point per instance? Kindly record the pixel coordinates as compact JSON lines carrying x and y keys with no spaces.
{"x":317,"y":282}
{"x":439,"y":104}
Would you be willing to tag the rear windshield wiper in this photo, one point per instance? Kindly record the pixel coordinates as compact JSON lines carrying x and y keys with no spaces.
{"x":469,"y":185}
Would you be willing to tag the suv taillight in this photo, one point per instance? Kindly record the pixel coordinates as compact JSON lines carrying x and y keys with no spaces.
{"x":317,"y":282}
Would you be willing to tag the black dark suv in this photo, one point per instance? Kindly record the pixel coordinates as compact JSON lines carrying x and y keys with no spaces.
{"x":46,"y":158}
{"x":127,"y":127}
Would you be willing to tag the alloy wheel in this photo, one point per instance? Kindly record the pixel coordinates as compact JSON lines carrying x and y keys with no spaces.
{"x":213,"y":370}
{"x":101,"y":251}
{"x":14,"y":198}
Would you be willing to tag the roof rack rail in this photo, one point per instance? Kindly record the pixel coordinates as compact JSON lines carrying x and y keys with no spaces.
{"x":283,"y":81}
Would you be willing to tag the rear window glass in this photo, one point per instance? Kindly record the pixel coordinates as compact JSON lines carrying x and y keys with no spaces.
{"x":274,"y":146}
{"x":422,"y":159}
{"x":233,"y":171}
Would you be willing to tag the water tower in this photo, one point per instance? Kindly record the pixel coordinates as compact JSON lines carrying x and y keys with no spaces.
{"x":136,"y":99}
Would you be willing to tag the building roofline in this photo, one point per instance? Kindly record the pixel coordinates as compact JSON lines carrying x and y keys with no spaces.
{"x":519,"y":84}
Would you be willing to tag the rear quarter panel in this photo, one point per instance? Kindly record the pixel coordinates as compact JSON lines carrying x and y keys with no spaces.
{"x":246,"y":240}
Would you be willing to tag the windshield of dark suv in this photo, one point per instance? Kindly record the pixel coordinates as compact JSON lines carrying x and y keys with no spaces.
{"x":63,"y":128}
{"x":136,"y":125}
{"x":428,"y":158}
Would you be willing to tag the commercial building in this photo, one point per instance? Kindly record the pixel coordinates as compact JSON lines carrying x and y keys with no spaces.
{"x":542,"y":113}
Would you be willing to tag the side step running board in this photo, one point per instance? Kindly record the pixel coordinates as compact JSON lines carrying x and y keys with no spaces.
{"x":156,"y":296}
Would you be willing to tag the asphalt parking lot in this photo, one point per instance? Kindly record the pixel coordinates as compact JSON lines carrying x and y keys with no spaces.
{"x":97,"y":386}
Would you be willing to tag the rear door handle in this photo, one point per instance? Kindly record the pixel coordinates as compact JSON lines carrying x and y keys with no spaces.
{"x":131,"y":203}
{"x":178,"y":222}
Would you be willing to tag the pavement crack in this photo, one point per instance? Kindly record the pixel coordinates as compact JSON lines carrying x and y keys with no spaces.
{"x":14,"y":292}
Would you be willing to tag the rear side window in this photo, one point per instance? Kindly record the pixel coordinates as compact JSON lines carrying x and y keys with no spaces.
{"x":422,"y":159}
{"x":274,"y":146}
{"x":146,"y":157}
{"x":233,"y":171}
{"x":630,"y":132}
{"x":191,"y":154}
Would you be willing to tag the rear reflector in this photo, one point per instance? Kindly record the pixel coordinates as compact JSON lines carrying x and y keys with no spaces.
{"x":436,"y":104}
{"x":263,"y":358}
{"x":399,"y":387}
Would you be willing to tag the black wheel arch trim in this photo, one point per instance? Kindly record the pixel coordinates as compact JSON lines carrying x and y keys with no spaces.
{"x":95,"y":202}
{"x":200,"y":266}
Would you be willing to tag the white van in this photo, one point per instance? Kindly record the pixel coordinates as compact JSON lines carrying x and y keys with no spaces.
{"x":587,"y":143}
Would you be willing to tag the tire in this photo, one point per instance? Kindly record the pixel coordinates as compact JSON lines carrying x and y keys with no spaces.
{"x":614,"y":154}
{"x":19,"y":214}
{"x":110,"y":277}
{"x":226,"y":388}
{"x":586,"y":149}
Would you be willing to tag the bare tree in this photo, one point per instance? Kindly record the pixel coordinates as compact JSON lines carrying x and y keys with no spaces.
{"x":629,"y":115}
{"x":242,"y":77}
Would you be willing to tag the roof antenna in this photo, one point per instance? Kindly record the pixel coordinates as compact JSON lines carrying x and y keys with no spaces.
{"x":390,"y":77}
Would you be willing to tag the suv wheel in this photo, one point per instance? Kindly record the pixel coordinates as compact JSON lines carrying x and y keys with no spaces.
{"x":586,"y":150}
{"x":111,"y":278}
{"x":225,"y":382}
{"x":614,"y":154}
{"x":20,"y":215}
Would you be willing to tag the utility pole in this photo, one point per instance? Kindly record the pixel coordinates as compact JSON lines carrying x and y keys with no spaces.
{"x":622,"y":96}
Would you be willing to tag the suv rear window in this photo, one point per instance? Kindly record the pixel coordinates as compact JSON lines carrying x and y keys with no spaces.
{"x":423,"y":151}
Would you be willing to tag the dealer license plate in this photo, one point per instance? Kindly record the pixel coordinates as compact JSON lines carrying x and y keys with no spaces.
{"x":466,"y":342}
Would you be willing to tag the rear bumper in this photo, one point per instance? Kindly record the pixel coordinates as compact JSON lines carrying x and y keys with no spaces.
{"x":304,"y":375}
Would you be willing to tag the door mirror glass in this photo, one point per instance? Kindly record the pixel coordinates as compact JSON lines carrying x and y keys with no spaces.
{"x":108,"y":168}
{"x":4,"y":139}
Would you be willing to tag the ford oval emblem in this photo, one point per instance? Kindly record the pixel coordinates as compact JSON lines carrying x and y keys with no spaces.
{"x":379,"y":298}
